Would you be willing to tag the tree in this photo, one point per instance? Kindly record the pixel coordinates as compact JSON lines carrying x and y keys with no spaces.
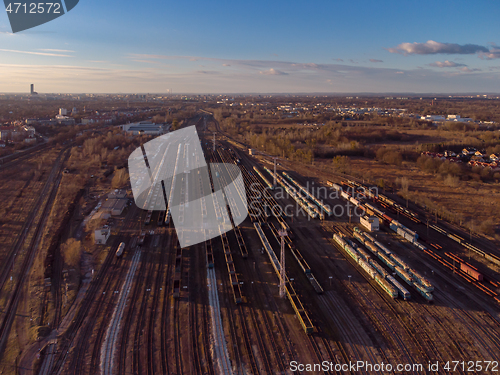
{"x":341,"y":163}
{"x":119,"y":179}
{"x":71,"y":252}
{"x":175,"y":124}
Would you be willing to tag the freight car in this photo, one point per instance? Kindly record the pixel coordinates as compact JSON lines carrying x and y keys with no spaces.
{"x":388,"y":288}
{"x":367,"y":268}
{"x":378,"y":268}
{"x":428,"y":296}
{"x":421,"y":280}
{"x":359,"y":237}
{"x":471,"y":272}
{"x":384,"y":249}
{"x":404,"y":275}
{"x":401,"y":289}
{"x":399,"y":261}
{"x":388,"y":262}
{"x":317,"y":288}
{"x":372,"y":247}
{"x":333,"y":185}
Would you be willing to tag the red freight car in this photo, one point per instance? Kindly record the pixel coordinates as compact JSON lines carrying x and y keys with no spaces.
{"x":471,"y":272}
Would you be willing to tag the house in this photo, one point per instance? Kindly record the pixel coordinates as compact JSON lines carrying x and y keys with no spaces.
{"x":7,"y":132}
{"x":105,"y":119}
{"x":494,"y":157}
{"x":449,"y":154}
{"x":469,"y":151}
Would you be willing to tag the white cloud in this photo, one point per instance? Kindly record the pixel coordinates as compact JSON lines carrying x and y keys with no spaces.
{"x":431,"y":47}
{"x":494,"y":53}
{"x":273,"y":72}
{"x":35,"y":53}
{"x":446,"y":64}
{"x":55,"y":50}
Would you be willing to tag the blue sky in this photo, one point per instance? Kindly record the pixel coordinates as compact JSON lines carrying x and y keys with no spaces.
{"x":260,"y":47}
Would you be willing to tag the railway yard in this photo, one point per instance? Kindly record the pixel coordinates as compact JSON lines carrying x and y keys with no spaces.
{"x":415,"y":293}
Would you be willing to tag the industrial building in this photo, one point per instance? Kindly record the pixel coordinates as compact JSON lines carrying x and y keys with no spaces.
{"x":370,"y":222}
{"x":115,"y":203}
{"x":145,"y":128}
{"x":101,"y":236}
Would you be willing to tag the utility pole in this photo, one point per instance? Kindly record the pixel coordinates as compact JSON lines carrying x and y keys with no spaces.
{"x":282,"y":234}
{"x":274,"y":177}
{"x":214,"y":142}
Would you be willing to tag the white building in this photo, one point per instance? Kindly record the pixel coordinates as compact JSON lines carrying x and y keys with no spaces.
{"x":145,"y":128}
{"x":370,"y":222}
{"x":63,"y":111}
{"x":101,"y":236}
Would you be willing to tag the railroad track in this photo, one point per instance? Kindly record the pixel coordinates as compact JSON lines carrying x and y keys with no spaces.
{"x":155,"y":291}
{"x":199,"y":347}
{"x":415,"y":329}
{"x":85,"y":337}
{"x":108,"y":347}
{"x":177,"y":336}
{"x":143,"y":288}
{"x":48,"y":195}
{"x":165,"y":310}
{"x":67,"y":341}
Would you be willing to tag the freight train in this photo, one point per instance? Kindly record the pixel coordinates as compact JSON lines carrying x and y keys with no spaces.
{"x":320,"y":204}
{"x":367,"y":267}
{"x":396,"y":264}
